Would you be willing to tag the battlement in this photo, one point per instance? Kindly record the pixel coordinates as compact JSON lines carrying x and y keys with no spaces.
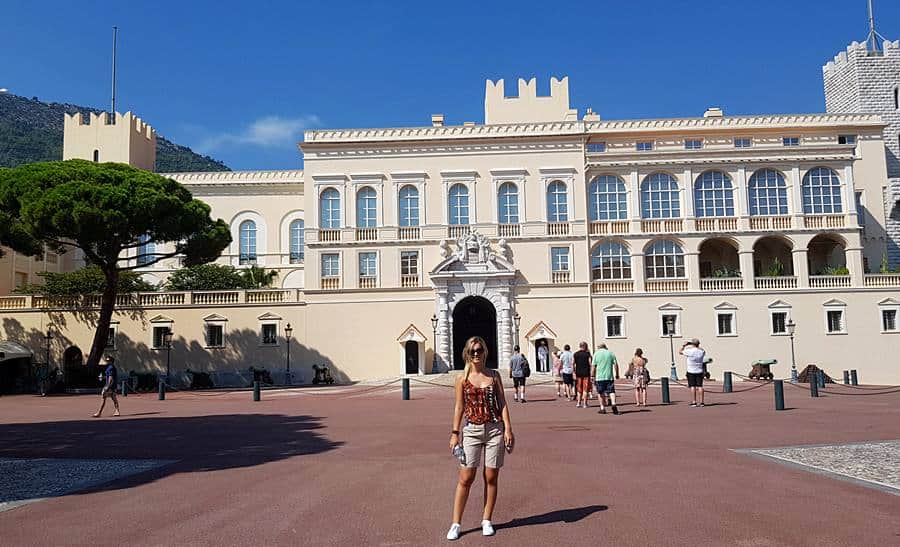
{"x":103,"y":137}
{"x":104,"y":119}
{"x":856,"y":52}
{"x":528,"y":106}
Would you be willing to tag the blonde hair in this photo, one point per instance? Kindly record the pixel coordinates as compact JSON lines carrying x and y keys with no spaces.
{"x":467,"y":353}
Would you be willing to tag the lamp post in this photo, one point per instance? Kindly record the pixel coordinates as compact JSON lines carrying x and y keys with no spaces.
{"x":670,"y":326}
{"x":434,"y":360}
{"x":287,"y":341}
{"x":48,"y":338}
{"x":167,"y":343}
{"x":791,"y":326}
{"x":517,"y":319}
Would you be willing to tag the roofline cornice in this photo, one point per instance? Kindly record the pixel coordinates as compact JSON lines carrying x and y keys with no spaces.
{"x":237,"y":177}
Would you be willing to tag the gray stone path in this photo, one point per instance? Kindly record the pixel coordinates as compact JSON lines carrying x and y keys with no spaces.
{"x":26,"y":480}
{"x":875,"y":464}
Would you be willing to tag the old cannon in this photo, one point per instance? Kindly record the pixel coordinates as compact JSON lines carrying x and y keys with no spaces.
{"x":200,"y":380}
{"x":322,"y":375}
{"x":261,"y":375}
{"x":760,"y":369}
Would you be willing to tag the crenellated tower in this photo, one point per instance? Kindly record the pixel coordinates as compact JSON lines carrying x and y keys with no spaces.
{"x":122,"y":138}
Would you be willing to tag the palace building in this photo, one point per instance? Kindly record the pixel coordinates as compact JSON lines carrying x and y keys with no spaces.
{"x":394,"y":245}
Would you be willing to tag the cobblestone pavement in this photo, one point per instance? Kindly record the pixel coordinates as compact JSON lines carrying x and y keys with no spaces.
{"x":26,"y":480}
{"x":876,"y":463}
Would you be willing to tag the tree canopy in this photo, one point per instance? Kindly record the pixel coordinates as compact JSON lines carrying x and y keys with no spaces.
{"x":87,"y":280}
{"x":218,"y":277}
{"x":105,"y":210}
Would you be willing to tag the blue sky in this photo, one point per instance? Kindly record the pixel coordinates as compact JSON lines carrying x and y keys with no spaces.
{"x":241,"y":80}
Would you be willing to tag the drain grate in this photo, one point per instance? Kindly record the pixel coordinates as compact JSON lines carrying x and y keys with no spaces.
{"x":568,"y":428}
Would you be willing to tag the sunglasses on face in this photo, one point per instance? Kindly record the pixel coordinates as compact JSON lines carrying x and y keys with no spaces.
{"x":477,"y":351}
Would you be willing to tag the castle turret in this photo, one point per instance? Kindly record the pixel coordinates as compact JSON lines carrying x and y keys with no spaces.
{"x":122,"y":138}
{"x":528,"y":106}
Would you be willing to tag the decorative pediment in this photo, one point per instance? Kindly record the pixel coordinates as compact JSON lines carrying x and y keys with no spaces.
{"x":161,"y":319}
{"x":615,"y":308}
{"x":269,"y":316}
{"x":473,"y":254}
{"x":668,"y":306}
{"x":540,"y":330}
{"x":411,"y":334}
{"x":215,"y":317}
{"x":779,"y":304}
{"x":725,"y":306}
{"x":834,"y":302}
{"x":889,"y":302}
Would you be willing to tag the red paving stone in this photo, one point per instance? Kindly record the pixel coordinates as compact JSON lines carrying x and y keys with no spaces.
{"x":305,"y":469}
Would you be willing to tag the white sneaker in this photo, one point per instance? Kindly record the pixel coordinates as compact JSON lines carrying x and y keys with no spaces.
{"x":453,"y":533}
{"x":487,"y":529}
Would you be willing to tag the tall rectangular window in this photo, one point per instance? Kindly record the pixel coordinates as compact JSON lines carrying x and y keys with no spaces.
{"x":269,"y":334}
{"x":159,"y":337}
{"x":669,"y":324}
{"x":725,"y":324}
{"x":614,"y":326}
{"x":215,"y":335}
{"x":409,"y":263}
{"x":368,"y":264}
{"x":111,"y":338}
{"x":889,"y":320}
{"x":331,"y":265}
{"x":779,"y":322}
{"x":835,"y":321}
{"x":559,"y":259}
{"x":860,"y":211}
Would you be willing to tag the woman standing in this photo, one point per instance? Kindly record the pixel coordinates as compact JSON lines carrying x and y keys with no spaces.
{"x":488,"y":431}
{"x":556,"y":372}
{"x":640,"y":378}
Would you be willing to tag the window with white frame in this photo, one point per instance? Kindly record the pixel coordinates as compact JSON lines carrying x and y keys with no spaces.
{"x":368,"y":265}
{"x":713,"y":195}
{"x":670,"y":323}
{"x":409,"y":206}
{"x":296,"y":238}
{"x":159,"y":335}
{"x":821,"y":192}
{"x":559,"y":259}
{"x":610,"y":260}
{"x":888,"y":315}
{"x":846,"y":139}
{"x":145,"y":250}
{"x":215,"y":334}
{"x":608,"y":198}
{"x":330,"y":209}
{"x":596,"y":147}
{"x":331,"y":265}
{"x":409,"y":263}
{"x":644,"y":146}
{"x":269,"y":334}
{"x":557,"y":202}
{"x":693,"y":144}
{"x":725,"y":325}
{"x":743,"y":142}
{"x":508,"y":203}
{"x":458,"y":203}
{"x":834,"y":321}
{"x":366,"y":207}
{"x":778,"y":320}
{"x":615,"y":325}
{"x":664,"y":259}
{"x":659,"y":196}
{"x":790,"y":141}
{"x":247,"y":242}
{"x":767,"y":193}
{"x":111,"y":336}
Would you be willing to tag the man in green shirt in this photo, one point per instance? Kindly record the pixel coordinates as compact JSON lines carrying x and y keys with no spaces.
{"x":605,"y":364}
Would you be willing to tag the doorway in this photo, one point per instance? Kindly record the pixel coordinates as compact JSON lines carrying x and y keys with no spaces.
{"x":411,"y":357}
{"x":474,"y":316}
{"x":542,"y":365}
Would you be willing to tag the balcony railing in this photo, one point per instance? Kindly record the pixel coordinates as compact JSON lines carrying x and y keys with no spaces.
{"x":457,"y":230}
{"x":770,"y":223}
{"x":828,"y":281}
{"x":149,"y":300}
{"x":722,"y":284}
{"x":409,"y":280}
{"x":216,"y":297}
{"x":366,"y":234}
{"x":152,"y":299}
{"x":823,"y":221}
{"x":508,"y":230}
{"x":408,"y":233}
{"x":775,"y":282}
{"x":559,"y":277}
{"x":723,"y":224}
{"x":612,"y":286}
{"x":667,"y":285}
{"x":329,"y":235}
{"x":367,"y":282}
{"x":558,"y":228}
{"x":13,"y":302}
{"x":882,"y":280}
{"x":606,"y":227}
{"x":330,"y":283}
{"x":665,"y":226}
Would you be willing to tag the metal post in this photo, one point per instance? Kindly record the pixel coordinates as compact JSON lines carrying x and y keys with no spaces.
{"x":779,"y":394}
{"x":434,"y":359}
{"x":853,"y":379}
{"x":256,"y":390}
{"x":726,"y":382}
{"x":664,"y":387}
{"x":406,"y":389}
{"x":795,"y":377}
{"x":124,"y":389}
{"x":673,"y":374}
{"x":162,"y":388}
{"x":287,"y":341}
{"x":820,"y":377}
{"x":846,"y":377}
{"x":813,"y":387}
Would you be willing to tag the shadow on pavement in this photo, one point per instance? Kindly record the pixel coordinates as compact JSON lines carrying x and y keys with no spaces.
{"x":561,"y":515}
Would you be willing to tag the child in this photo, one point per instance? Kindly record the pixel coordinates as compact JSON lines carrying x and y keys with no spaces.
{"x":556,"y":372}
{"x":641,"y":377}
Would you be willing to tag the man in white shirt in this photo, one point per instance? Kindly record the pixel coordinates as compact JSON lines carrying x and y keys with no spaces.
{"x":568,"y":370}
{"x":694,"y":356}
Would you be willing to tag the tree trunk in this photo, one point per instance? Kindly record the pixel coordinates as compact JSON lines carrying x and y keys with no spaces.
{"x":107,"y":305}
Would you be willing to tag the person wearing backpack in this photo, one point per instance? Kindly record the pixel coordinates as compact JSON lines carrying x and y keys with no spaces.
{"x":519,"y":370}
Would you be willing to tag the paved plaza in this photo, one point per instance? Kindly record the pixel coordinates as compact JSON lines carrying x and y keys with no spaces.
{"x":356,"y":465}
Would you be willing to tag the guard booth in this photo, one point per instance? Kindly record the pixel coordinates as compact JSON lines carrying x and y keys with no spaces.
{"x":15,"y":368}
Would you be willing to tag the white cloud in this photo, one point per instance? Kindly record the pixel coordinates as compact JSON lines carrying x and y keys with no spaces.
{"x":268,"y":132}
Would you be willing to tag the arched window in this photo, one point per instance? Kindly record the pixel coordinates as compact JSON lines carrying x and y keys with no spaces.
{"x":557,"y":202}
{"x":508,"y":203}
{"x":459,"y":204}
{"x":664,"y":259}
{"x":659,"y":197}
{"x":610,"y":260}
{"x":330,"y":209}
{"x":609,"y":201}
{"x":409,"y":206}
{"x":713,"y":195}
{"x":767,"y":193}
{"x":247,"y":242}
{"x":366,"y":203}
{"x":145,"y":250}
{"x":296,"y":233}
{"x":821,"y":192}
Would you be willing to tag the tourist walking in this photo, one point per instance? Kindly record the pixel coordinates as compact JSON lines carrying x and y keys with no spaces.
{"x":694,"y":355}
{"x":488,"y":433}
{"x":604,"y":365}
{"x":640,"y":377}
{"x":556,"y":373}
{"x":568,"y":371}
{"x":543,"y":353}
{"x":110,"y":378}
{"x":518,"y":366}
{"x":582,"y":375}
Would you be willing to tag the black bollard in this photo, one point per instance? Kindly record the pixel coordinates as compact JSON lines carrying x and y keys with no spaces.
{"x":406,"y":389}
{"x":664,"y":386}
{"x":846,"y":377}
{"x":162,"y":390}
{"x":820,"y":376}
{"x":779,"y":394}
{"x":124,"y":389}
{"x":256,"y":391}
{"x":726,"y":382}
{"x":813,"y":387}
{"x":853,"y":379}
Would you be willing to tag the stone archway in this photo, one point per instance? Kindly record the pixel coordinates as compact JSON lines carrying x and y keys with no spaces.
{"x":474,"y":316}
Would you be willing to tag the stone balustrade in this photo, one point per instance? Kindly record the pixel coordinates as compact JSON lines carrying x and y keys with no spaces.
{"x":153,"y":299}
{"x":722,"y":284}
{"x":828,"y":281}
{"x":776,"y":282}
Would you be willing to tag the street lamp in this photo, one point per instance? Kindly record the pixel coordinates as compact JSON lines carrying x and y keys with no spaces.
{"x":287,"y":340}
{"x":791,"y":326}
{"x":48,"y":338}
{"x":517,"y":319}
{"x":434,"y":361}
{"x":167,"y":343}
{"x":670,"y":326}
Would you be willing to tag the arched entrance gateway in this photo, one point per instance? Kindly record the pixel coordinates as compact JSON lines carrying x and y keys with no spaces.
{"x":474,"y":316}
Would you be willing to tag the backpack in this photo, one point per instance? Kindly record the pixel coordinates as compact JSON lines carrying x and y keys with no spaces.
{"x":526,"y":368}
